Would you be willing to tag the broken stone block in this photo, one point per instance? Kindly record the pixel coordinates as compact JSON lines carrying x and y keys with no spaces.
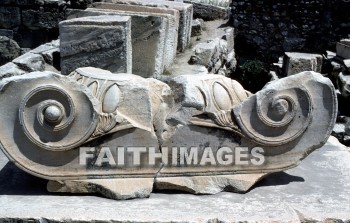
{"x":10,"y":17}
{"x":197,"y":26}
{"x":210,"y":54}
{"x":171,"y":17}
{"x":294,"y":63}
{"x":344,"y":84}
{"x":100,"y":41}
{"x":148,"y":34}
{"x":186,"y":14}
{"x":346,"y":66}
{"x":30,"y":62}
{"x":9,"y":50}
{"x":48,"y":51}
{"x":153,"y":30}
{"x":208,"y":9}
{"x":343,"y":48}
{"x":9,"y":70}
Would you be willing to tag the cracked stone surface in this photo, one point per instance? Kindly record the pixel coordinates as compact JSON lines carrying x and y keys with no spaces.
{"x":318,"y":189}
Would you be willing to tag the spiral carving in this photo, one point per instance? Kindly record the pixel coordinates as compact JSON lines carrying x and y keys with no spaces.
{"x":57,"y":117}
{"x":276,"y":117}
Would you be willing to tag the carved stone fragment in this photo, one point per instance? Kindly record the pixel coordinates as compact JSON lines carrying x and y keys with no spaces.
{"x":100,"y":41}
{"x":95,"y":131}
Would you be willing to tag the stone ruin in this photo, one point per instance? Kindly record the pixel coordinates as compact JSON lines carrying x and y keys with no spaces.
{"x":122,"y":114}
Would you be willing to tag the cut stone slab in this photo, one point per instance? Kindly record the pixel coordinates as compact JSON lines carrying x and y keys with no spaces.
{"x":148,"y":34}
{"x":343,"y":48}
{"x":186,"y":14}
{"x":170,"y":16}
{"x":9,"y":70}
{"x":294,"y":62}
{"x":209,"y":10}
{"x":344,"y":84}
{"x":30,"y":62}
{"x":153,"y":30}
{"x":317,"y":190}
{"x":99,"y":41}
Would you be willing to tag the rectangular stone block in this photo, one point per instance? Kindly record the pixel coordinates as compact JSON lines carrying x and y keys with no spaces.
{"x":170,"y":15}
{"x":147,"y":37}
{"x":9,"y":17}
{"x":186,"y":15}
{"x":294,"y":63}
{"x":209,"y":9}
{"x":343,"y":48}
{"x":97,"y":41}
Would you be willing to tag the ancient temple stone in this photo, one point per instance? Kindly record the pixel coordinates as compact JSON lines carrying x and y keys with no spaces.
{"x":171,"y":17}
{"x":294,"y":63}
{"x":343,"y":48}
{"x":153,"y":30}
{"x":89,"y":131}
{"x":100,"y":41}
{"x":186,"y":14}
{"x":209,"y":9}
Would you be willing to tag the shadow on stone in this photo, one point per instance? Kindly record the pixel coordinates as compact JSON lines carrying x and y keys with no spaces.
{"x":276,"y":179}
{"x":17,"y":182}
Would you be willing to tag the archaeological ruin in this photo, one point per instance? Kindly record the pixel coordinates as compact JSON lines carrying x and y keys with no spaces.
{"x":108,"y":101}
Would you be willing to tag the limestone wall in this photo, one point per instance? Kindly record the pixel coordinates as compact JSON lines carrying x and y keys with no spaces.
{"x":267,"y":28}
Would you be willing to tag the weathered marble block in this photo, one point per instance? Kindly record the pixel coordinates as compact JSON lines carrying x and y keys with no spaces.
{"x":344,"y":84}
{"x":294,"y":63}
{"x":343,"y":48}
{"x":186,"y":14}
{"x":209,"y":9}
{"x":121,"y":135}
{"x":100,"y":41}
{"x":171,"y":34}
{"x":149,"y":33}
